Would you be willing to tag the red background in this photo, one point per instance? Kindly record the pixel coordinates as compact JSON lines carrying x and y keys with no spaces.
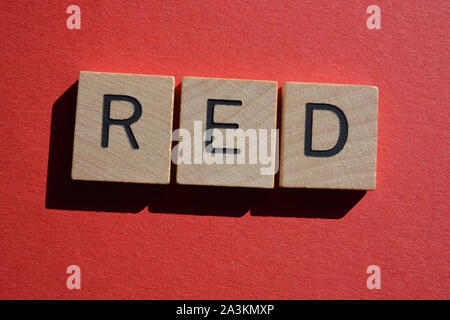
{"x":134,"y":241}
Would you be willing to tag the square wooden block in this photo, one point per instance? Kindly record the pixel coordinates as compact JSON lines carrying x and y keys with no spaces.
{"x":226,"y":107}
{"x":123,"y":128}
{"x":329,"y":136}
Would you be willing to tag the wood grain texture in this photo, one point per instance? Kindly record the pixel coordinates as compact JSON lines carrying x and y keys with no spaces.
{"x":257,"y":111}
{"x":354,"y":167}
{"x":119,"y":162}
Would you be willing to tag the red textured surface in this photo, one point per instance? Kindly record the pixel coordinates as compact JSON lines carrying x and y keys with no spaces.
{"x":207,"y":243}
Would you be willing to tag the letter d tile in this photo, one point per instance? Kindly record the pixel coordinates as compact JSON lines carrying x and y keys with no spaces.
{"x":329,"y":136}
{"x":123,"y":128}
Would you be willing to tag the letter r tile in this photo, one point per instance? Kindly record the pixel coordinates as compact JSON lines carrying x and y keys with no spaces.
{"x":231,"y":123}
{"x":329,"y":136}
{"x":123,"y":128}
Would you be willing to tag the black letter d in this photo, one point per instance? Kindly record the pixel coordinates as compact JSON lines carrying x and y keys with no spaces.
{"x":343,"y":130}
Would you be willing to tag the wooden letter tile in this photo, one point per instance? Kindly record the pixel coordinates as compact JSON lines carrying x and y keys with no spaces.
{"x":123,"y":128}
{"x":329,"y":136}
{"x":229,"y":106}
